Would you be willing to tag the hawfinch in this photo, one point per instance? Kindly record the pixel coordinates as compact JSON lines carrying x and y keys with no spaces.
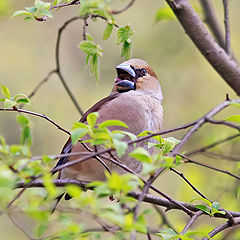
{"x":136,"y":100}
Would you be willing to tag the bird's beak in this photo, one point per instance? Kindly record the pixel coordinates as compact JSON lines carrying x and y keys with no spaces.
{"x":125,"y":80}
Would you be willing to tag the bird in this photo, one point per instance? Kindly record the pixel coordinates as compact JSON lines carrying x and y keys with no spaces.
{"x":135,"y":99}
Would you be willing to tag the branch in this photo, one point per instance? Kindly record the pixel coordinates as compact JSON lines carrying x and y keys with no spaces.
{"x":165,"y":220}
{"x":74,"y":2}
{"x":36,"y":114}
{"x":191,"y":221}
{"x":221,"y":228}
{"x":211,"y":20}
{"x":114,"y":12}
{"x":227,"y":45}
{"x":148,"y":198}
{"x":40,"y":84}
{"x":203,"y":40}
{"x":221,"y":156}
{"x":206,"y":118}
{"x":58,"y":71}
{"x":189,"y":183}
{"x":189,"y":160}
{"x":203,"y":149}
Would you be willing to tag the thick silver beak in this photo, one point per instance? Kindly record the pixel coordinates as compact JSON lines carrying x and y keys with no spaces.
{"x":127,"y":68}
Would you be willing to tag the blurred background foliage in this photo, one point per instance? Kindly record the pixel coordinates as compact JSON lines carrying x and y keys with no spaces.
{"x":190,"y":88}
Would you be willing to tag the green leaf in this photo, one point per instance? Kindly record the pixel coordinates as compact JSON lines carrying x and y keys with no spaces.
{"x":107,"y":32}
{"x":22,"y":120}
{"x":77,"y":134}
{"x":235,"y":104}
{"x":238,"y":192}
{"x":20,"y":13}
{"x":45,"y":12}
{"x":31,"y":10}
{"x":164,"y":13}
{"x":5,"y":91}
{"x":215,"y":205}
{"x":40,"y":4}
{"x":92,"y":119}
{"x":203,"y":208}
{"x":141,"y":155}
{"x":79,"y":125}
{"x":89,"y":37}
{"x":9,"y":103}
{"x":21,"y":98}
{"x":167,"y":234}
{"x":109,"y":123}
{"x":169,"y":144}
{"x":233,"y":118}
{"x":120,"y":147}
{"x":74,"y":191}
{"x":26,"y":137}
{"x":88,"y":47}
{"x":49,"y":185}
{"x":124,"y":34}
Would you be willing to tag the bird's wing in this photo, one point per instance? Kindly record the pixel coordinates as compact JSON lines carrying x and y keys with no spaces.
{"x":68,"y":145}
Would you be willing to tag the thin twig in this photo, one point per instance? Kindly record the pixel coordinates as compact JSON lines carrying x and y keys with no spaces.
{"x":221,"y":156}
{"x":165,"y":220}
{"x":227,"y":28}
{"x":221,"y":228}
{"x":189,"y":160}
{"x":36,"y":114}
{"x":148,"y":198}
{"x":191,"y":221}
{"x":203,"y":149}
{"x":58,"y":70}
{"x":189,"y":183}
{"x":212,"y":21}
{"x":114,"y":12}
{"x":40,"y":84}
{"x":74,"y":2}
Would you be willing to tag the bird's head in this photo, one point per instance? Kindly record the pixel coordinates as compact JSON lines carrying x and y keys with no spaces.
{"x":136,"y":75}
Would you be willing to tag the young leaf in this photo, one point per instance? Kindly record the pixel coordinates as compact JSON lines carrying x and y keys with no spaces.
{"x":233,"y":118}
{"x":92,"y":119}
{"x":9,"y":103}
{"x":77,"y":134}
{"x":167,"y":234}
{"x":141,"y":155}
{"x":107,"y":32}
{"x":164,"y":13}
{"x":5,"y":91}
{"x":109,"y":123}
{"x":20,"y":13}
{"x":22,"y":120}
{"x":120,"y":147}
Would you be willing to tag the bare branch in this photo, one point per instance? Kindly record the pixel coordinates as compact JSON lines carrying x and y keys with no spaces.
{"x":189,"y":160}
{"x":227,"y":28}
{"x":191,"y":221}
{"x":189,"y":183}
{"x":58,"y":71}
{"x":221,"y":156}
{"x":203,"y":149}
{"x":211,"y":20}
{"x":148,"y":198}
{"x":114,"y":12}
{"x":36,"y":114}
{"x":221,"y":228}
{"x":41,"y":83}
{"x":165,"y":220}
{"x":74,"y":2}
{"x":203,"y":40}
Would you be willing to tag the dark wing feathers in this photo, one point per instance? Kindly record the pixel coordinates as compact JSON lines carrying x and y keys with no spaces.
{"x":68,"y":145}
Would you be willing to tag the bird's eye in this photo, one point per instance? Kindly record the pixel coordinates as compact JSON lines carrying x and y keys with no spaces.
{"x":143,"y":71}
